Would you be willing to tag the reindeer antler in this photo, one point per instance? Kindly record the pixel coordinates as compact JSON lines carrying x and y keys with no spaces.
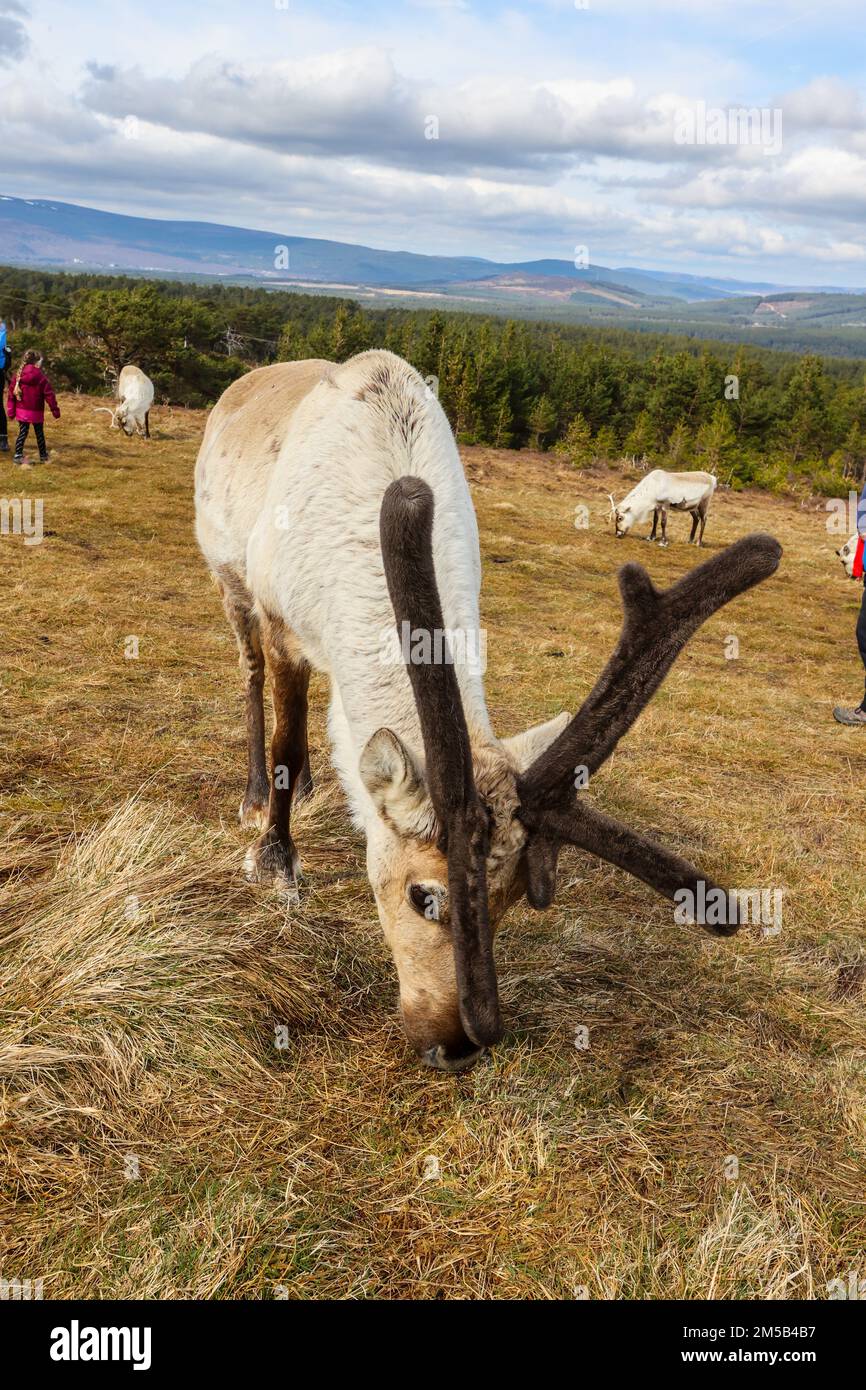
{"x":406,"y":532}
{"x":655,"y":629}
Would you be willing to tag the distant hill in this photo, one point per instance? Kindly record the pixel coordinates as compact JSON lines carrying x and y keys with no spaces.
{"x":37,"y":232}
{"x":47,"y":234}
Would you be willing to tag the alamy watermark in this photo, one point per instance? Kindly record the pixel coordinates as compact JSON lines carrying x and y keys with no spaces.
{"x":18,"y":1290}
{"x":721,"y":907}
{"x":700,"y":124}
{"x":854,"y":1287}
{"x":22,"y":516}
{"x":419,"y":646}
{"x":842,"y":515}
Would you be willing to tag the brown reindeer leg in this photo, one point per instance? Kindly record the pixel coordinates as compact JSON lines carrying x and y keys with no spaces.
{"x":147,"y":424}
{"x":664,"y":539}
{"x":238,"y":605}
{"x":274,"y":857}
{"x":306,"y":785}
{"x":696,"y":516}
{"x":652,"y":534}
{"x":704,"y":508}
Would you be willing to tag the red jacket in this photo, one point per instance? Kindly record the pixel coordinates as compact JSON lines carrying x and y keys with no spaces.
{"x":36,"y":389}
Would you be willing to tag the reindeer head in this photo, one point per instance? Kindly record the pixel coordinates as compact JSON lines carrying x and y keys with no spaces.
{"x":623,"y":517}
{"x":122,"y":418}
{"x":473,"y":830}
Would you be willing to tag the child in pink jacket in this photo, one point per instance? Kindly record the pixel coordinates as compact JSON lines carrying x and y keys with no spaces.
{"x":28,"y":392}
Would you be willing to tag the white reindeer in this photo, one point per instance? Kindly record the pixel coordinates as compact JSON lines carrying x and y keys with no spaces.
{"x":847,"y":554}
{"x":333,"y":511}
{"x":135,"y":397}
{"x":659,"y":490}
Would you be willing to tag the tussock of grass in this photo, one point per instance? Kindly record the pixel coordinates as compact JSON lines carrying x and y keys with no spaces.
{"x":155,"y":1140}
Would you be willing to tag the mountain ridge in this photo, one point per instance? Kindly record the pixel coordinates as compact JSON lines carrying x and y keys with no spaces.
{"x":53,"y":234}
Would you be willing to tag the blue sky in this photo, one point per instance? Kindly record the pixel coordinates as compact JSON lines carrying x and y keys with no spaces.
{"x":556,"y":124}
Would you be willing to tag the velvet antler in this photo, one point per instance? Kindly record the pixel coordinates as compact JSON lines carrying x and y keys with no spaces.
{"x":406,"y":532}
{"x":656,"y":627}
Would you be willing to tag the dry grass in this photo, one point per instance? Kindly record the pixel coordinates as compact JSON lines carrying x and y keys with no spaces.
{"x":143,"y":980}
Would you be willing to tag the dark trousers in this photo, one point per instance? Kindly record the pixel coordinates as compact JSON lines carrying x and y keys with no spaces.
{"x":22,"y":435}
{"x":861,"y":635}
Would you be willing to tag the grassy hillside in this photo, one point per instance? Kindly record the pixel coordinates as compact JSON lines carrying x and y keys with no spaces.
{"x":155,"y":1141}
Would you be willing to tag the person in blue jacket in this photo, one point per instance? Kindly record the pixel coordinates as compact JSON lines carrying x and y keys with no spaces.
{"x":858,"y":714}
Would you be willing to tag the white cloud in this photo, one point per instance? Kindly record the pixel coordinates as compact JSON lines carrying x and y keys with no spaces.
{"x":14,"y":39}
{"x":540,"y":150}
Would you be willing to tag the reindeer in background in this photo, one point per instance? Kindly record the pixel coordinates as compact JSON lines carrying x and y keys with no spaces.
{"x":134,"y":393}
{"x":332,"y":507}
{"x":659,"y":490}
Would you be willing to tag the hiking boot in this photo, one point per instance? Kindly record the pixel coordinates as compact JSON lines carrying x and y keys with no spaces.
{"x":849,"y":716}
{"x":4,"y":445}
{"x":18,"y":459}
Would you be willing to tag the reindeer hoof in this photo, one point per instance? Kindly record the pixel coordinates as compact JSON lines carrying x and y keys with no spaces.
{"x":272,"y":862}
{"x":253,"y":813}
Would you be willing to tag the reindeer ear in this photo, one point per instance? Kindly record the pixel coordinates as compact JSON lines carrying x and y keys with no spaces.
{"x":397,"y":785}
{"x":526,"y":747}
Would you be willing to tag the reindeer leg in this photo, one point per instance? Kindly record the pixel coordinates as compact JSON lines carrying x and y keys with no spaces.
{"x":147,"y":424}
{"x":695,"y":519}
{"x":703,"y":511}
{"x":652,"y":534}
{"x":238,"y":605}
{"x":306,"y":785}
{"x":664,"y":539}
{"x":274,"y":857}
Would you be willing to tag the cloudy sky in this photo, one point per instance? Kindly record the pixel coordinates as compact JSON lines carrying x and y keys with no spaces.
{"x":559,"y":123}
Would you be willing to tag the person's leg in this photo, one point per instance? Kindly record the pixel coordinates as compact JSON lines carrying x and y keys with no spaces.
{"x":861,"y":638}
{"x":39,"y":431}
{"x":19,"y":442}
{"x":858,"y":714}
{"x":4,"y":424}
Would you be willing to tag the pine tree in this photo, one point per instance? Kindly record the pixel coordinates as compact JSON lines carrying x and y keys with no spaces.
{"x":805,"y":408}
{"x":542,"y":422}
{"x":679,"y":447}
{"x":606,"y":447}
{"x":642,"y":440}
{"x":716,"y":444}
{"x":465,"y":425}
{"x":854,"y":454}
{"x":576,"y":444}
{"x":502,"y":422}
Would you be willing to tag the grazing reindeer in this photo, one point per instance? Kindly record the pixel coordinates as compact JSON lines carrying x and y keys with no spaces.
{"x":683,"y":492}
{"x":333,"y":510}
{"x":135,"y":396}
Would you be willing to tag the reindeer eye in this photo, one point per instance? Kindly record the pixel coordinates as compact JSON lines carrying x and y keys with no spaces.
{"x":427,"y":902}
